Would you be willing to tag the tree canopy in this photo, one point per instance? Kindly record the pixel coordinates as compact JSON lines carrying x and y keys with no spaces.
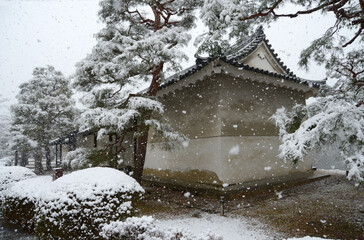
{"x":142,"y":41}
{"x":45,"y":111}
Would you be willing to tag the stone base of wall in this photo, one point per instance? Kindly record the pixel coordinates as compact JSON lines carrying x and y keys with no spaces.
{"x":245,"y":188}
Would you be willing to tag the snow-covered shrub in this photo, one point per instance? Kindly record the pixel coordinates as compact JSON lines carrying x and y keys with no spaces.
{"x":145,"y":228}
{"x":13,"y":174}
{"x":79,"y":204}
{"x":5,"y":161}
{"x":77,"y":159}
{"x":20,"y":201}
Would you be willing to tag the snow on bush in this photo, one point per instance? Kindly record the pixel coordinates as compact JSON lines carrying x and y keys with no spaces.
{"x":19,"y":201}
{"x":145,"y":228}
{"x":77,"y":159}
{"x":79,"y":204}
{"x":5,"y":161}
{"x":13,"y":174}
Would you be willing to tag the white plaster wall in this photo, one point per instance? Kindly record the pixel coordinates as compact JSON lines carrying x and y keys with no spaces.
{"x":216,"y":114}
{"x":262,"y":59}
{"x":64,"y":150}
{"x":200,"y":154}
{"x":255,"y":159}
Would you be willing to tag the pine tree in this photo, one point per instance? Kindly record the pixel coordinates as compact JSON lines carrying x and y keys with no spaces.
{"x":5,"y":150}
{"x":336,"y":117}
{"x":44,"y":111}
{"x":139,"y":43}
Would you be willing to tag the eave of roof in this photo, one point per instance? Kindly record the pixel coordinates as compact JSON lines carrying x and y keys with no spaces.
{"x":201,"y":63}
{"x":241,"y":51}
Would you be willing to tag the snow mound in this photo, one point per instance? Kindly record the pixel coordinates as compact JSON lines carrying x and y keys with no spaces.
{"x":81,"y":202}
{"x":5,"y":161}
{"x":31,"y":189}
{"x":146,"y":227}
{"x":21,"y":198}
{"x":308,"y":238}
{"x":88,"y":183}
{"x":229,"y":228}
{"x":89,"y":198}
{"x":9,"y":175}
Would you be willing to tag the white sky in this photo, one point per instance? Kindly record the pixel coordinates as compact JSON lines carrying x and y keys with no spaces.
{"x":34,"y":33}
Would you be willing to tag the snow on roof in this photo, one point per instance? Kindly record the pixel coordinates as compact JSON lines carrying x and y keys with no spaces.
{"x":234,"y":57}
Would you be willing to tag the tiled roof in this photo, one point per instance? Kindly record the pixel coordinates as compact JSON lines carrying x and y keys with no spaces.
{"x":242,"y":50}
{"x":234,"y":56}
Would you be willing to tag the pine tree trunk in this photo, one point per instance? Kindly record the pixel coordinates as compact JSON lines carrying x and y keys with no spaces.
{"x":23,"y":159}
{"x":139,"y":158}
{"x":48,"y":158}
{"x":38,"y":167}
{"x":16,"y":158}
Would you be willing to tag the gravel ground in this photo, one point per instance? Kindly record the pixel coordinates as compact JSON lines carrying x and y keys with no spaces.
{"x":329,"y":208}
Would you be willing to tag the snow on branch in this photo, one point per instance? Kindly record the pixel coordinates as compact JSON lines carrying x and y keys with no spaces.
{"x":337,"y":121}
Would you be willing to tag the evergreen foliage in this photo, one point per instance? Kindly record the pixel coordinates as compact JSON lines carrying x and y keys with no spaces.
{"x":139,"y":44}
{"x":5,"y":123}
{"x":44,"y":111}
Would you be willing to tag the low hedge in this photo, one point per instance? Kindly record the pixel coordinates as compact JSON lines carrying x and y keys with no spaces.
{"x":19,"y":211}
{"x":13,"y":174}
{"x":75,"y":206}
{"x":84,"y":218}
{"x":20,"y":201}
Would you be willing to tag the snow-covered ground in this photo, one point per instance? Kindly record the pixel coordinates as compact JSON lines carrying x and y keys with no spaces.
{"x":229,"y":227}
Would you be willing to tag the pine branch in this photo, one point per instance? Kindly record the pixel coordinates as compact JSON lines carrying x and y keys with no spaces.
{"x":262,"y":14}
{"x":356,"y":35}
{"x":309,"y":11}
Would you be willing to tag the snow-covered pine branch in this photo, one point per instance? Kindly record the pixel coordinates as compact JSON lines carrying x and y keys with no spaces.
{"x":331,"y":120}
{"x":142,"y":40}
{"x":235,"y":19}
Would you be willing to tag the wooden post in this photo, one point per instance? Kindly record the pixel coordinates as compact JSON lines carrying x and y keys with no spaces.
{"x":60,"y":154}
{"x":58,"y":172}
{"x":56,"y":155}
{"x":222,"y":210}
